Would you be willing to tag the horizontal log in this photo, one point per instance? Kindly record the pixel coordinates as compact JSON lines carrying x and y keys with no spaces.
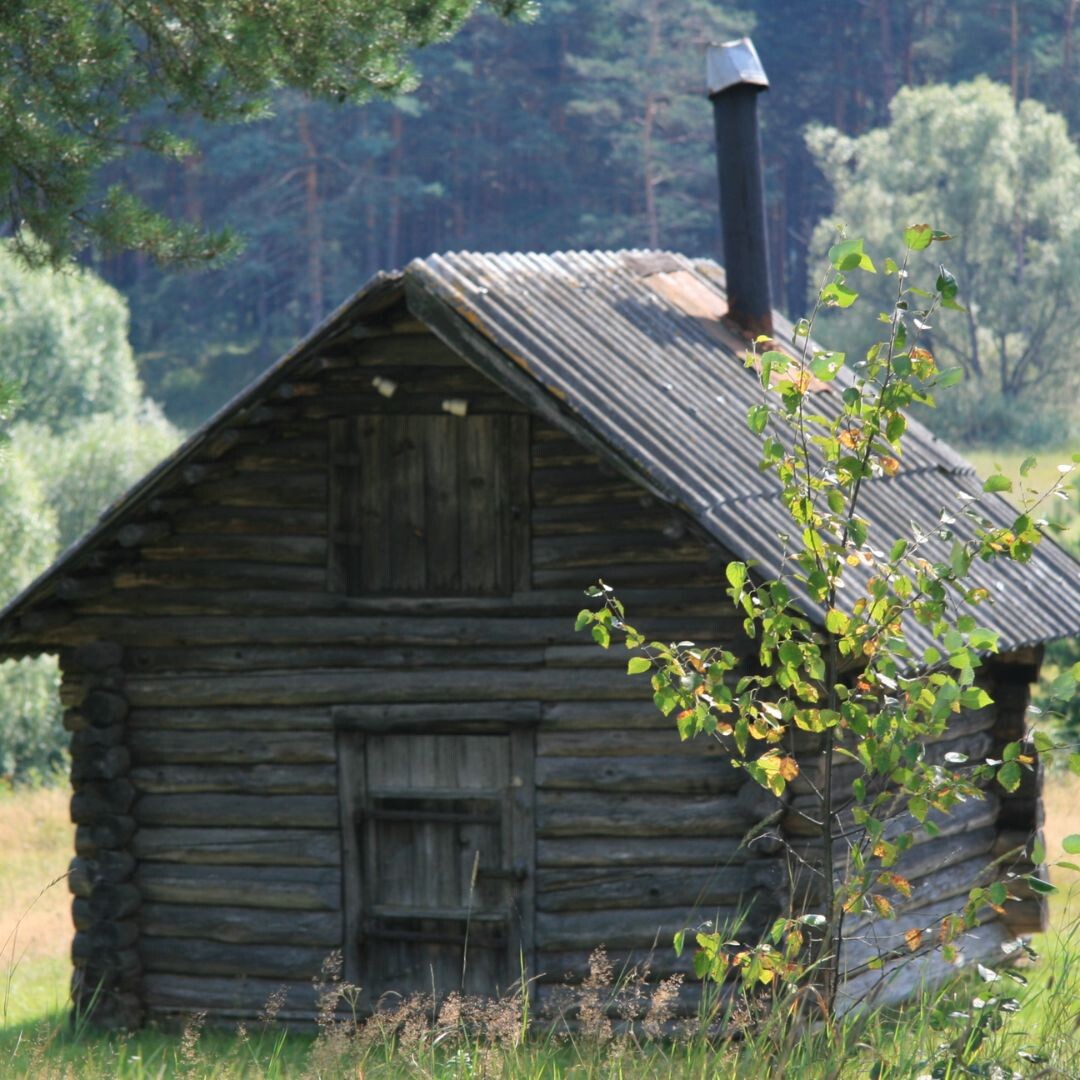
{"x":238,"y":779}
{"x":361,"y":404}
{"x":640,"y":928}
{"x":103,"y":708}
{"x":295,"y":550}
{"x":112,"y":867}
{"x":569,"y":967}
{"x":629,"y":716}
{"x":109,"y":901}
{"x":97,"y":799}
{"x":72,"y":587}
{"x":293,"y":720}
{"x":628,"y":742}
{"x":647,"y":603}
{"x":97,"y":656}
{"x":100,"y":763}
{"x":437,"y":716}
{"x":226,"y":997}
{"x":107,"y":833}
{"x":623,"y":575}
{"x":250,"y":846}
{"x":219,"y":574}
{"x":560,"y":813}
{"x":222,"y":747}
{"x":615,"y":549}
{"x":102,"y":935}
{"x":267,"y":811}
{"x":195,"y":956}
{"x":291,"y":489}
{"x":276,"y":453}
{"x":107,"y":963}
{"x":589,"y":851}
{"x":238,"y":658}
{"x":581,"y":485}
{"x":703,"y":775}
{"x":242,"y":925}
{"x":286,"y":887}
{"x":257,"y":520}
{"x":321,"y":686}
{"x":899,"y":980}
{"x":138,"y":533}
{"x":595,"y":888}
{"x":88,"y":740}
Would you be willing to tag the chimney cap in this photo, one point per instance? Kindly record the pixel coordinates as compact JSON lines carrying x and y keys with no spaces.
{"x":735,"y":63}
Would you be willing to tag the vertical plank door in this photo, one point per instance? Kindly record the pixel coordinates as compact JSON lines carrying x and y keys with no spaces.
{"x":437,"y":845}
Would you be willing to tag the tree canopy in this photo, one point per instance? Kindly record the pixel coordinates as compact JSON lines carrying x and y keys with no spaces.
{"x":1002,"y":178}
{"x":77,"y":79}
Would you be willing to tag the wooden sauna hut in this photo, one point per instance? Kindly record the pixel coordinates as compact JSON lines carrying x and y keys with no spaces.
{"x":320,"y":670}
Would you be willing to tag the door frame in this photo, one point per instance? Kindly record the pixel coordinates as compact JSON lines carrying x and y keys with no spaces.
{"x":517,"y":720}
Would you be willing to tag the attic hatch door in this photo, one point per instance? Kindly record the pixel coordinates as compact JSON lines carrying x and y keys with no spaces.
{"x":422,"y":505}
{"x":435,"y":843}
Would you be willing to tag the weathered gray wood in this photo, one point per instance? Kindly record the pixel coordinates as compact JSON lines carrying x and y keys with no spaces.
{"x":293,"y":720}
{"x":637,"y":575}
{"x":103,"y":708}
{"x":82,"y":586}
{"x":257,"y":846}
{"x":167,"y":746}
{"x":617,"y":549}
{"x":296,"y":550}
{"x":629,"y":717}
{"x":519,"y":523}
{"x":95,"y":799}
{"x":522,"y":850}
{"x":561,"y":813}
{"x":614,"y":742}
{"x":242,"y":925}
{"x":251,"y":519}
{"x":481,"y":716}
{"x":265,"y":811}
{"x":318,"y":686}
{"x":676,"y":774}
{"x":286,"y":887}
{"x":196,"y":956}
{"x":98,"y":655}
{"x":302,"y":657}
{"x":303,"y":489}
{"x":109,"y":831}
{"x":206,"y":574}
{"x":114,"y":901}
{"x":102,"y":935}
{"x":638,"y":928}
{"x":226,"y":996}
{"x":610,"y":889}
{"x":590,"y":851}
{"x":100,"y":763}
{"x":266,"y":779}
{"x":138,"y":533}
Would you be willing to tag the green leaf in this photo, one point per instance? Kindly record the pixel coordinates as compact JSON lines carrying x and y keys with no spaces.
{"x":891,"y":267}
{"x":637,"y":665}
{"x":918,"y":237}
{"x":679,"y":942}
{"x":585,"y":616}
{"x":826,"y":365}
{"x":849,"y":255}
{"x":1009,"y":775}
{"x":997,"y":482}
{"x":837,"y":295}
{"x":735,"y":572}
{"x":896,"y":427}
{"x":1029,"y":463}
{"x":1071,"y":844}
{"x":1063,"y":687}
{"x":1038,"y":852}
{"x":950,"y":377}
{"x":836,"y":622}
{"x":757,"y":417}
{"x":1074,"y":764}
{"x":1043,"y":888}
{"x":946,"y":284}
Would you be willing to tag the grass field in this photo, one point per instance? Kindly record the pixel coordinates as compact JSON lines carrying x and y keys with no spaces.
{"x":37,"y":1039}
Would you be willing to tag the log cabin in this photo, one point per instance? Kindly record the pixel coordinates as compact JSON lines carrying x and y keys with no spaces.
{"x":322,"y":681}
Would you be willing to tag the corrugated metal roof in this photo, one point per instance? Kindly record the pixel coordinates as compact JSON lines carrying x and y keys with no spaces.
{"x":633,"y":345}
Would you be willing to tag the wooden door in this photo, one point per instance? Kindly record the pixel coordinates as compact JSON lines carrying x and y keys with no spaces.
{"x":440,"y":862}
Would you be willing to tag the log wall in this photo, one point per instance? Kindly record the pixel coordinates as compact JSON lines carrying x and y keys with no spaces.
{"x":211,"y":651}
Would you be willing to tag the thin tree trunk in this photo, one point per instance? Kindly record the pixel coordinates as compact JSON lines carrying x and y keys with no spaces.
{"x":393,"y":225}
{"x":1014,"y":49}
{"x":648,"y":163}
{"x":312,"y":219}
{"x":888,"y":70}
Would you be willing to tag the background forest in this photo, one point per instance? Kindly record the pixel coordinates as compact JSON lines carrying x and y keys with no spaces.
{"x":587,"y":128}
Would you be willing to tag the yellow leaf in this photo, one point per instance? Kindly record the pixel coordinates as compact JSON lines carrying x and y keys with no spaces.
{"x":789,"y":768}
{"x":901,"y":885}
{"x":849,"y":437}
{"x":885,"y":909}
{"x":913,"y":938}
{"x":890,"y":466}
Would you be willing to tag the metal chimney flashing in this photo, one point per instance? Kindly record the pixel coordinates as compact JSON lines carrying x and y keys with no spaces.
{"x":734,"y":63}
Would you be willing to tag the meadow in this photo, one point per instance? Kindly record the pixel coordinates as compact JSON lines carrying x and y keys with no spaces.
{"x":1028,"y":1030}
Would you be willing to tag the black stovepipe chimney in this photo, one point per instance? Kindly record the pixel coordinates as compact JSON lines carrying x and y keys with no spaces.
{"x":735,"y":77}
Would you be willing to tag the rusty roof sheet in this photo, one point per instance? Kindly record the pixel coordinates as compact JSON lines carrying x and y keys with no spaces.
{"x":633,"y":346}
